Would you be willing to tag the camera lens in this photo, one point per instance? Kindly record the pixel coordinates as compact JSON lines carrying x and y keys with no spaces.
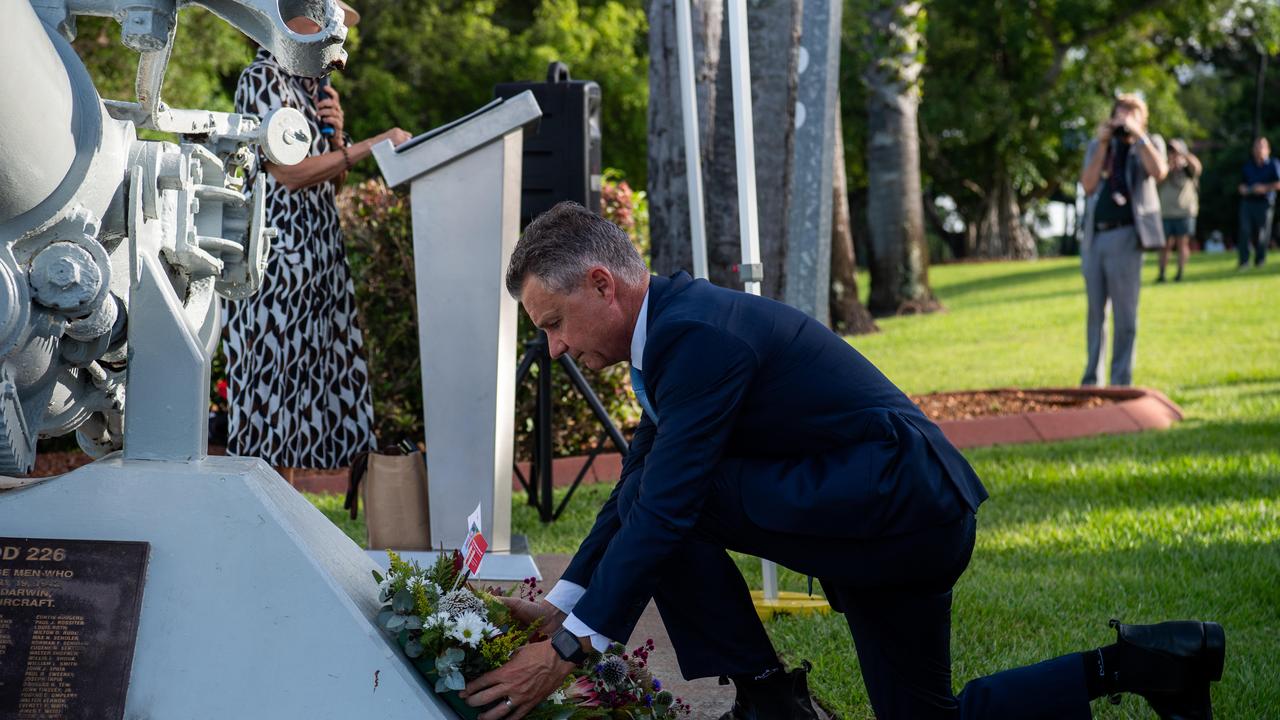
{"x":1121,"y":132}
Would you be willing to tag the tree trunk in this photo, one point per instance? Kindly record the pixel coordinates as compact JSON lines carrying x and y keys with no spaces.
{"x":848,"y":316}
{"x":898,"y":254}
{"x":1001,"y":232}
{"x":773,"y":37}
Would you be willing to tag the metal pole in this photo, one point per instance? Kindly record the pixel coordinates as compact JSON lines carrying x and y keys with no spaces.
{"x":744,"y":146}
{"x":692,"y":149}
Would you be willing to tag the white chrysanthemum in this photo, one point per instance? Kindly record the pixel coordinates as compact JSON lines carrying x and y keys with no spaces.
{"x":384,"y":588}
{"x":461,"y":601}
{"x":558,"y":697}
{"x":470,"y":629}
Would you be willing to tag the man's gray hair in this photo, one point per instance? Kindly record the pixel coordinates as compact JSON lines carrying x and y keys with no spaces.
{"x":561,"y":244}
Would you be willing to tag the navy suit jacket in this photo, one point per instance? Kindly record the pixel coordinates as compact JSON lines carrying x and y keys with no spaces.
{"x":821,"y":442}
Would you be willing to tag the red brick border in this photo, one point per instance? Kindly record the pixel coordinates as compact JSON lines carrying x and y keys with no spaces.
{"x":1133,"y":410}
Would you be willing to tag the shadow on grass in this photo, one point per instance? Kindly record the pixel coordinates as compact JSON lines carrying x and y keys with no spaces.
{"x":1004,"y":282}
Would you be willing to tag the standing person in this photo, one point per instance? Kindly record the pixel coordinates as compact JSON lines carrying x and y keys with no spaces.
{"x":1122,"y":217}
{"x":1179,"y":205}
{"x":1259,"y":180}
{"x":763,"y":432}
{"x":298,"y":382}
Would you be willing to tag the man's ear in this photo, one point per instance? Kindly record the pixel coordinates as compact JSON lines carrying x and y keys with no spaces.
{"x":601,"y":281}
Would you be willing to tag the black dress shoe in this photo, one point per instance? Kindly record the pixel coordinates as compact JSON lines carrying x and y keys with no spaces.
{"x":1179,"y":661}
{"x":781,"y":696}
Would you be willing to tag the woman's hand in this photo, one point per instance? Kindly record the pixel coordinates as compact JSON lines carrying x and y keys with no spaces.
{"x":330,"y":110}
{"x":395,"y":135}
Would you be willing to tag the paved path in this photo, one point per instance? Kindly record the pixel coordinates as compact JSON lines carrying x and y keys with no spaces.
{"x":708,"y":698}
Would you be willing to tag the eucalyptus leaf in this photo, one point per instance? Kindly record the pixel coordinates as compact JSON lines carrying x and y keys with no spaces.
{"x":384,"y":617}
{"x":455,"y":681}
{"x":413,"y":649}
{"x":402,"y":602}
{"x":395,"y":622}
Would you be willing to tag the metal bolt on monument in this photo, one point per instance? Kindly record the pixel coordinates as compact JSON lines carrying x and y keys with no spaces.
{"x":156,"y":579}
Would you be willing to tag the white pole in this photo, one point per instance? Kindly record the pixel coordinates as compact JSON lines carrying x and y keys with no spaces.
{"x":692,"y":149}
{"x":744,"y":144}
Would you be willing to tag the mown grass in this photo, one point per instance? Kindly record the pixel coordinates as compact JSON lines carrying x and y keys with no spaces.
{"x":1177,"y":524}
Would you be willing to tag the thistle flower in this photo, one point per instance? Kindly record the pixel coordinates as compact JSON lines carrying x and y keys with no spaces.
{"x":613,"y":671}
{"x":460,"y":601}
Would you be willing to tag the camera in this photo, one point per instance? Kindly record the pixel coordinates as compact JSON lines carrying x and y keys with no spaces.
{"x":1121,"y":132}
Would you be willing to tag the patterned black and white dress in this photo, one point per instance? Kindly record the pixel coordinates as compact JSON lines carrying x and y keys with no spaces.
{"x":298,"y":382}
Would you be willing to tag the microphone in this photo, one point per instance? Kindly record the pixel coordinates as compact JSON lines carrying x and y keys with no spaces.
{"x":325,"y":128}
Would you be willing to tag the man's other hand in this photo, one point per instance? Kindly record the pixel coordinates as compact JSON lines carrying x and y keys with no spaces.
{"x":527,"y":612}
{"x":533,"y":672}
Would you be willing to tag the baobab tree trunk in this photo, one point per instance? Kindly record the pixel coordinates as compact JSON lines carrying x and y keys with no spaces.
{"x":848,"y":315}
{"x":899,"y":257}
{"x":1001,"y":232}
{"x":774,"y":35}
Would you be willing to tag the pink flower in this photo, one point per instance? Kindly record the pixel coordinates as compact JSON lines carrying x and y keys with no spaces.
{"x":583,"y":692}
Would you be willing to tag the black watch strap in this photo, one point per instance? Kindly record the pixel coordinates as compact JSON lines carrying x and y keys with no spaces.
{"x":568,"y":647}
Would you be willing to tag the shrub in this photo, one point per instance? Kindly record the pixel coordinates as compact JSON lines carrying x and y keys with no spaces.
{"x":379,"y":240}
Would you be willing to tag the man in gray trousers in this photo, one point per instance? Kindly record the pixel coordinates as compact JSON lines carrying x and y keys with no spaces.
{"x":1122,"y":167}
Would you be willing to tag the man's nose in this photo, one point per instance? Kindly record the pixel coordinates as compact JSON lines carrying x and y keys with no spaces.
{"x":556,"y":346}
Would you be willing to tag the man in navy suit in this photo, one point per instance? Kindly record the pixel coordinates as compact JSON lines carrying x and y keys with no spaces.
{"x":765,"y":433}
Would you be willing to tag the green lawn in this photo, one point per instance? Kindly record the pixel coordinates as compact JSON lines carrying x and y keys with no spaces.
{"x":1177,"y":524}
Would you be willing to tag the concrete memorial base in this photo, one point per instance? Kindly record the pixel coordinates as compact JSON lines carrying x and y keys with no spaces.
{"x":255,"y":605}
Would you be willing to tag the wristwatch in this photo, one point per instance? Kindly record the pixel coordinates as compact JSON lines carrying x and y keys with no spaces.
{"x":568,"y":647}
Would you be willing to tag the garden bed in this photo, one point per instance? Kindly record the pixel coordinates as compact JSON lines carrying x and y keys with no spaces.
{"x":1005,"y":416}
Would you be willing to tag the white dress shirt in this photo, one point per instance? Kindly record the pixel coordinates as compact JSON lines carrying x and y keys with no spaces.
{"x":565,"y":594}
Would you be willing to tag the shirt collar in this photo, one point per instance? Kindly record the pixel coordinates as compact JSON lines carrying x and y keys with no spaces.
{"x":639,"y":335}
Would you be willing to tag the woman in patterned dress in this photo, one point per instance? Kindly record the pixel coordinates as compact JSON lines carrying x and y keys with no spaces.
{"x":298,"y":382}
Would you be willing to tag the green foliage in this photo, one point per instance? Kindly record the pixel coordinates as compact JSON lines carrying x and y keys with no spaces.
{"x":207,"y":58}
{"x":379,"y":240}
{"x":420,"y":64}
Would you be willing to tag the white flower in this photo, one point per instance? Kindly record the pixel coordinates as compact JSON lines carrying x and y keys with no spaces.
{"x":436,"y":619}
{"x":558,"y":697}
{"x":470,"y":629}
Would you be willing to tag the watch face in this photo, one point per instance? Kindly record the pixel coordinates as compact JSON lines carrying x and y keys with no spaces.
{"x":567,"y":645}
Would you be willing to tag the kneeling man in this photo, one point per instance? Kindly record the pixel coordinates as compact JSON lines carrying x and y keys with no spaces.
{"x":765,"y":433}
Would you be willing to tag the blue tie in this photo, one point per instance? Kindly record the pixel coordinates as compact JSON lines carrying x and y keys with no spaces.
{"x":637,"y":384}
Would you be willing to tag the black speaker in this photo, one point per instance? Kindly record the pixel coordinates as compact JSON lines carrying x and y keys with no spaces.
{"x":561,"y":160}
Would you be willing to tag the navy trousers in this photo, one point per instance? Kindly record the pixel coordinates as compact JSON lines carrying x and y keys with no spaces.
{"x":894,"y":592}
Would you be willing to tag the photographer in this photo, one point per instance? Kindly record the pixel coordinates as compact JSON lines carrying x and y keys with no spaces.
{"x":1179,"y":204}
{"x":1122,"y":167}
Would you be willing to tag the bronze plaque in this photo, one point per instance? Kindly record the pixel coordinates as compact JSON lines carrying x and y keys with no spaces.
{"x":68,"y":620}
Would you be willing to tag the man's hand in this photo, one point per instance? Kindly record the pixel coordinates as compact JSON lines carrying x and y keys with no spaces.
{"x":534,"y":672}
{"x":527,"y":612}
{"x":1261,"y":188}
{"x":330,"y":110}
